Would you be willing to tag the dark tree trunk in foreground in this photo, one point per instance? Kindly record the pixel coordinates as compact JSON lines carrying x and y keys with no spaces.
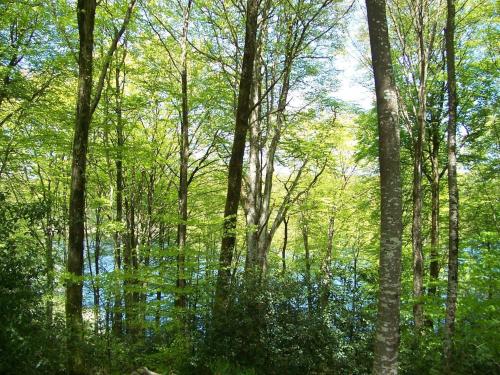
{"x":451,"y":300}
{"x":85,"y":107}
{"x":307,"y":259}
{"x":326,"y":271}
{"x":236,"y":161}
{"x":387,"y":334}
{"x":120,"y":141}
{"x":181,"y":298}
{"x":74,"y":321}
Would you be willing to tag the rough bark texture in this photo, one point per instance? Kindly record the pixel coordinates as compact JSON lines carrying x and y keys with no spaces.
{"x":236,"y":161}
{"x":451,"y":300}
{"x":387,"y":334}
{"x":181,"y":298}
{"x":74,"y":320}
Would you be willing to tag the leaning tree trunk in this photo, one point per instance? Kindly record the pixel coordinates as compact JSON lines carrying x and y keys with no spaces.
{"x":74,"y":320}
{"x":387,"y":334}
{"x":451,"y":300}
{"x":236,"y":161}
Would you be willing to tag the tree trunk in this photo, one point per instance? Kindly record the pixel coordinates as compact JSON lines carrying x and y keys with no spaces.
{"x":451,"y":300}
{"x":181,"y":298}
{"x":435,"y":177}
{"x":49,"y":264}
{"x":254,"y":194}
{"x":387,"y":333}
{"x":236,"y":161}
{"x":307,"y":276}
{"x":97,"y":254}
{"x":285,"y":243}
{"x":74,"y":284}
{"x":326,"y":268}
{"x":417,"y":247}
{"x":120,"y":142}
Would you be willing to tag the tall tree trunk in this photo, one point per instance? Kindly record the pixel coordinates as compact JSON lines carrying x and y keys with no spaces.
{"x":387,"y":333}
{"x":326,"y":267}
{"x":97,"y":254}
{"x":49,"y":264}
{"x":120,"y":142}
{"x":285,"y":243}
{"x":236,"y":161}
{"x":307,"y":258}
{"x":418,"y":258}
{"x":130,"y":268}
{"x":451,"y":300}
{"x":254,"y":195}
{"x":435,"y":177}
{"x":74,"y":284}
{"x":181,"y":298}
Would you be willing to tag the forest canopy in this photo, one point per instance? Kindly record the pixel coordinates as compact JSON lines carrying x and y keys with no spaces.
{"x":249,"y":187}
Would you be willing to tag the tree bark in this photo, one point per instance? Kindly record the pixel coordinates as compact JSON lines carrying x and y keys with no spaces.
{"x":236,"y":161}
{"x":435,"y":180}
{"x":97,"y":254}
{"x":285,"y":243}
{"x":120,"y":142}
{"x":417,"y":246}
{"x":254,"y":194}
{"x":307,"y":258}
{"x":326,"y":267}
{"x":74,"y":284}
{"x":453,"y":235}
{"x":387,"y":333}
{"x":181,"y":298}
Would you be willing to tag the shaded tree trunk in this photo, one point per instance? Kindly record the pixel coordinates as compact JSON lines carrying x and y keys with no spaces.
{"x":285,"y":243}
{"x":417,"y":196}
{"x":120,"y":143}
{"x":236,"y":161}
{"x":307,"y":258}
{"x":435,"y":179}
{"x":97,"y":254}
{"x":453,"y":236}
{"x":326,"y":268}
{"x":181,"y":298}
{"x":387,"y":332}
{"x":74,"y":319}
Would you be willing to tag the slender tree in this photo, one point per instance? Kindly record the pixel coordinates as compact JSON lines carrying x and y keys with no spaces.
{"x":86,"y":17}
{"x":451,"y":300}
{"x":387,"y":334}
{"x":236,"y":161}
{"x":181,"y":298}
{"x":84,"y":110}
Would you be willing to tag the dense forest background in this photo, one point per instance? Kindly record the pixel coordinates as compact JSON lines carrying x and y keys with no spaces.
{"x":112,"y":216}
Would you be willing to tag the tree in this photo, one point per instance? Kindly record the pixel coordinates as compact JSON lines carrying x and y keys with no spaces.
{"x":86,"y":10}
{"x":387,"y":335}
{"x":236,"y":161}
{"x":453,"y":234}
{"x":86,"y":18}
